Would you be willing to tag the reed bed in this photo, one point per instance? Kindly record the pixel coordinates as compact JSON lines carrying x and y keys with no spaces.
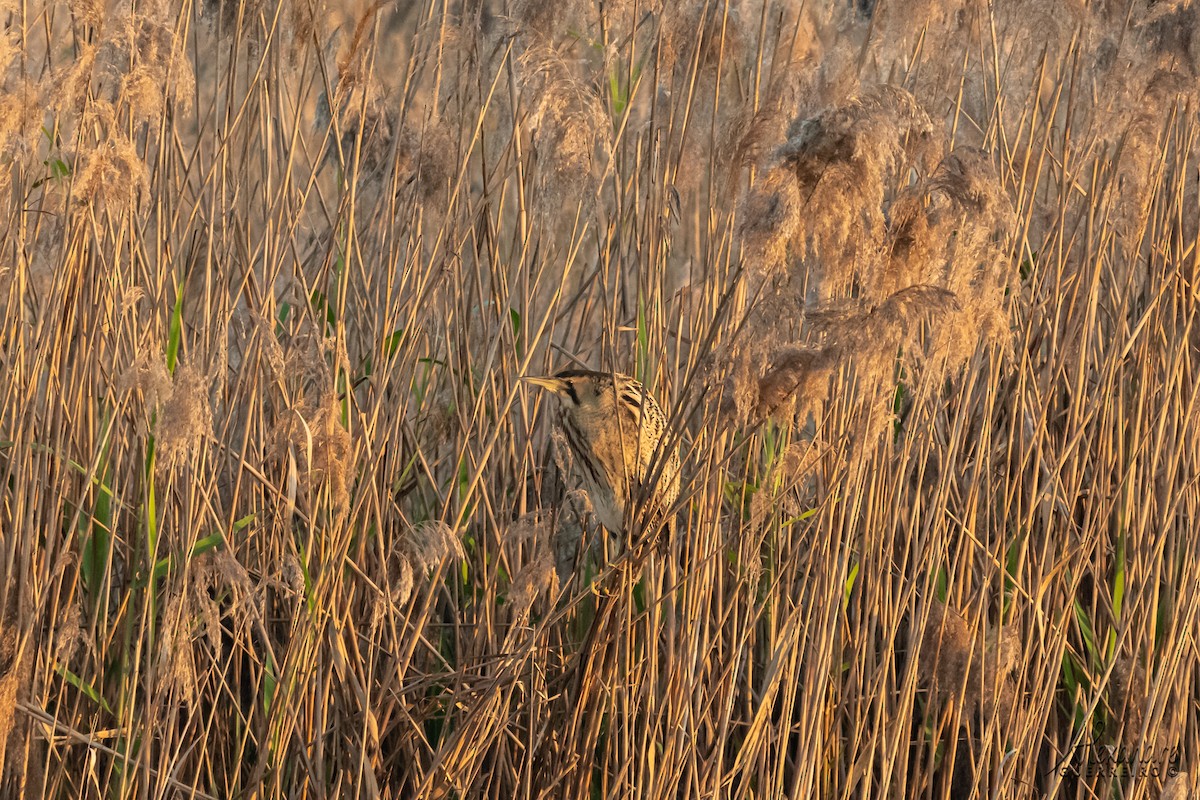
{"x":917,"y":282}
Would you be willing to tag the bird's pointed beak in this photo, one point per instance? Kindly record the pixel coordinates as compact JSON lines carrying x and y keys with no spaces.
{"x":544,"y":381}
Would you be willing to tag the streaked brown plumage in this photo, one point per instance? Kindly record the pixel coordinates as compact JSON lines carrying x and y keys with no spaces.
{"x":614,"y":428}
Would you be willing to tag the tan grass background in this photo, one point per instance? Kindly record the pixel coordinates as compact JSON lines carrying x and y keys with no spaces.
{"x":917,"y":281}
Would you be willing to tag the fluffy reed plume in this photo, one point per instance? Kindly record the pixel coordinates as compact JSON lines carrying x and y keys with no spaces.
{"x":176,"y":660}
{"x":87,"y":13}
{"x":546,"y":19}
{"x":147,"y":374}
{"x":21,"y":108}
{"x":136,"y":63}
{"x":1177,"y":787}
{"x":430,"y":543}
{"x":191,"y":628}
{"x":309,"y":439}
{"x":395,"y":589}
{"x":954,"y":667}
{"x":954,"y":231}
{"x":185,"y":421}
{"x":1127,"y":695}
{"x":701,"y":34}
{"x":931,"y":250}
{"x":291,"y":576}
{"x":825,"y":191}
{"x":750,"y":137}
{"x":538,"y":576}
{"x":874,"y":338}
{"x":222,"y":569}
{"x":312,"y":432}
{"x":896,"y":28}
{"x":819,"y":72}
{"x":569,"y":126}
{"x":147,"y":40}
{"x":874,"y":333}
{"x":426,"y":159}
{"x":111,"y":175}
{"x":15,"y":668}
{"x":129,"y":72}
{"x":1129,"y":702}
{"x":364,"y":117}
{"x":1141,"y":152}
{"x":181,"y":402}
{"x":1169,"y":29}
{"x":946,"y":227}
{"x":794,"y":384}
{"x":401,"y":586}
{"x":809,"y":228}
{"x":21,"y":113}
{"x":773,"y":220}
{"x":68,"y":635}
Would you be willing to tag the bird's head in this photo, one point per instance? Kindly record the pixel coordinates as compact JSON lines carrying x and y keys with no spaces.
{"x":576,"y":388}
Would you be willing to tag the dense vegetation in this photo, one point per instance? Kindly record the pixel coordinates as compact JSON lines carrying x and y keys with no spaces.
{"x":918,"y":283}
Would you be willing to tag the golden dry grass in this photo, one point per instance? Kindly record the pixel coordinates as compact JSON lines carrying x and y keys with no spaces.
{"x":917,"y":282}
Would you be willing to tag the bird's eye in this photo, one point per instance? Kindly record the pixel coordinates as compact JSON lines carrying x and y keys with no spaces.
{"x":570,"y":387}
